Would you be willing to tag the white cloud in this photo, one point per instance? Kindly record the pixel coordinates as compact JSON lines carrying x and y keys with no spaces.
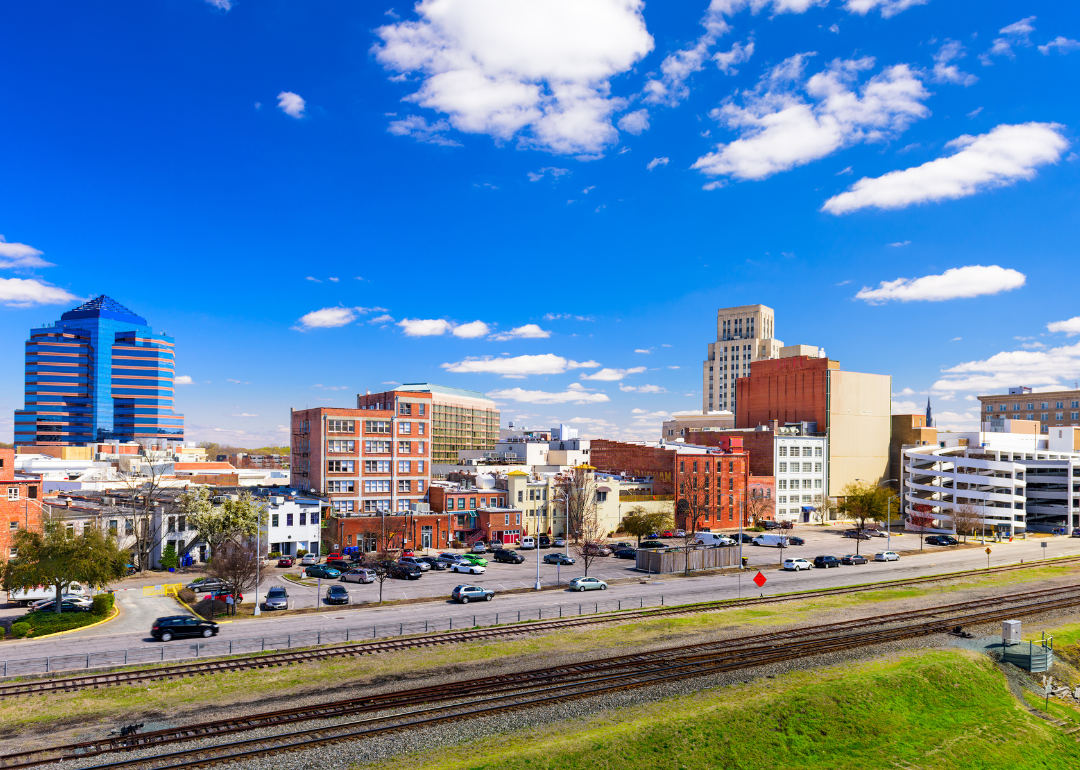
{"x":425,"y":327}
{"x":245,"y":414}
{"x":27,"y":292}
{"x":516,"y":68}
{"x":642,"y":350}
{"x":635,"y":122}
{"x":221,"y":5}
{"x":975,"y":112}
{"x":382,"y":319}
{"x":527,"y":331}
{"x":471,"y":330}
{"x":997,"y":159}
{"x":947,"y":72}
{"x":334,"y":280}
{"x":906,"y":407}
{"x":1041,"y":369}
{"x":1063,"y":44}
{"x":956,"y":339}
{"x":536,"y":176}
{"x":1017,"y":33}
{"x":183,"y":379}
{"x":889,"y":8}
{"x":417,"y":127}
{"x":331,"y":317}
{"x":613,"y":375}
{"x":1070,"y":327}
{"x":518,"y":366}
{"x":656,"y":162}
{"x":291,"y":104}
{"x":779,"y":129}
{"x":641,"y":388}
{"x":313,"y":279}
{"x":955,"y":283}
{"x":645,"y":414}
{"x":739,"y":53}
{"x":574,"y":394}
{"x":898,"y":244}
{"x":904,"y":392}
{"x":19,"y":256}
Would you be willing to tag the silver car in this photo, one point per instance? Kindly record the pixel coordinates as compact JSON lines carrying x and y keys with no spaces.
{"x":413,"y":561}
{"x":359,"y":575}
{"x":277,"y":598}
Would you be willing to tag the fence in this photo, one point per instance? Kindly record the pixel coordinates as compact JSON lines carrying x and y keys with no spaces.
{"x":675,"y":560}
{"x":166,"y":589}
{"x":216,"y":647}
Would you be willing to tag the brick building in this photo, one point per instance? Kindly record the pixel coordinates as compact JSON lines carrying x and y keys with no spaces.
{"x":20,"y":504}
{"x":1052,"y":409}
{"x":717,"y":476}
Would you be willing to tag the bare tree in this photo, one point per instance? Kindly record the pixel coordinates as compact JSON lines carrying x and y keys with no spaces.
{"x":921,"y":519}
{"x":758,"y":506}
{"x":691,"y":506}
{"x":965,"y":518}
{"x":577,"y":493}
{"x":141,"y":476}
{"x":824,"y":508}
{"x":589,"y":546}
{"x":236,"y":562}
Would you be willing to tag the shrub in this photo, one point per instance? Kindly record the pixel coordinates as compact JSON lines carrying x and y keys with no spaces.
{"x":301,"y":553}
{"x":274,"y":555}
{"x":103,"y":605}
{"x":186,"y":595}
{"x":19,"y":630}
{"x":208,"y":607}
{"x":169,"y":559}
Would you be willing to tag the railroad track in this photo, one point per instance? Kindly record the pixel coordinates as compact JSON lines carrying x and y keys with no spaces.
{"x":367,"y":716}
{"x":737,"y":653}
{"x":205,"y":666}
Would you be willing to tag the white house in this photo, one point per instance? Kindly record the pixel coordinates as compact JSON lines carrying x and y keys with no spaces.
{"x":292,"y":524}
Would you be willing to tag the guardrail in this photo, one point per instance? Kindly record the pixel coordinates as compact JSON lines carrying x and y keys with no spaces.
{"x":218,"y":647}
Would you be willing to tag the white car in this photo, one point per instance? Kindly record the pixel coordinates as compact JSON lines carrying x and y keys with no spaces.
{"x":309,"y":559}
{"x":797,"y":564}
{"x":83,"y":601}
{"x":887,"y":556}
{"x":472,"y":569}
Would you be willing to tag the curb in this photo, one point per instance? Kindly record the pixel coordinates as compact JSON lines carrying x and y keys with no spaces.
{"x":115,"y":613}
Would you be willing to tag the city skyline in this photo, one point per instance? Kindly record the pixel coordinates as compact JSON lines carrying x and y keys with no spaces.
{"x":302,"y":244}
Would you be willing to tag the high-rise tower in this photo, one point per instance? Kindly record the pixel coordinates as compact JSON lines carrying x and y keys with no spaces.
{"x":743,"y":334}
{"x":100,"y":373}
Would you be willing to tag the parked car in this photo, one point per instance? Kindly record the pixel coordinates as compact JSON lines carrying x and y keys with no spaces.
{"x":826,"y":561}
{"x":359,"y":575}
{"x":206,"y":584}
{"x":558,"y":543}
{"x":621,"y":545}
{"x":433,"y":562}
{"x":308,"y":559}
{"x":403,"y":571}
{"x":855,"y":534}
{"x":668,"y":533}
{"x":626,"y":553}
{"x":341,"y":565}
{"x":797,"y":564}
{"x":941,"y":540}
{"x":713,"y":540}
{"x":597,"y":549}
{"x":777,"y":541}
{"x":322,"y":571}
{"x":874,"y":532}
{"x":527,"y":543}
{"x":40,"y":594}
{"x":587,"y":584}
{"x":1076,"y":532}
{"x":78,"y":598}
{"x":479,"y":547}
{"x":285,"y":561}
{"x":679,"y":533}
{"x":415,"y":561}
{"x":466,"y":567}
{"x":449,"y":558}
{"x":494,"y":546}
{"x":544,"y":541}
{"x":223,"y":594}
{"x":164,"y":629}
{"x":558,"y":558}
{"x":66,"y":605}
{"x":509,"y":557}
{"x":466,"y":593}
{"x":277,"y":598}
{"x":745,"y":538}
{"x":335,"y":555}
{"x":337,"y":595}
{"x":886,"y":556}
{"x":769,"y":524}
{"x":473,"y":558}
{"x":649,"y":544}
{"x":853,"y":558}
{"x":792,"y":540}
{"x":408,"y":552}
{"x":653,"y":536}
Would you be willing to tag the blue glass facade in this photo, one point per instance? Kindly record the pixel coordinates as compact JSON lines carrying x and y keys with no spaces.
{"x":99,"y":373}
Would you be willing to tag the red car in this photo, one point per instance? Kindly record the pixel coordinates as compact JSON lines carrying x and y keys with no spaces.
{"x":667,"y":533}
{"x":285,"y":561}
{"x":408,"y":552}
{"x":225,"y":593}
{"x":335,"y":555}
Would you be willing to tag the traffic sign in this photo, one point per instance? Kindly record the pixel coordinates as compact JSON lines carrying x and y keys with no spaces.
{"x":988,"y":550}
{"x":760,"y":579}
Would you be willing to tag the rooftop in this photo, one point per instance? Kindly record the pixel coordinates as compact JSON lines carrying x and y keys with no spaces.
{"x":427,"y":387}
{"x":103,"y":307}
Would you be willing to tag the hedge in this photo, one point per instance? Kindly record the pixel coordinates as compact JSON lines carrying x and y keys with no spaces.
{"x":43,"y":623}
{"x":19,"y":630}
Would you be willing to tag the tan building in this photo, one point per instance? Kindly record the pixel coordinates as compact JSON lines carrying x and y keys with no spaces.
{"x":460,"y":420}
{"x":1053,"y":409}
{"x":744,"y":334}
{"x":680,"y":425}
{"x":908,"y":430}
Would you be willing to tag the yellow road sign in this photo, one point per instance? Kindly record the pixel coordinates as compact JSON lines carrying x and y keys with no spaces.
{"x":988,"y":550}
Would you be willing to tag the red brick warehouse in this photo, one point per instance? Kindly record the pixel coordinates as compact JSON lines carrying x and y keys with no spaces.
{"x":20,"y":504}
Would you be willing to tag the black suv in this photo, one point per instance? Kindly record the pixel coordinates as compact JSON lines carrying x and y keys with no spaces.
{"x":182,"y":625}
{"x":403,"y":571}
{"x":826,"y":561}
{"x":545,"y":541}
{"x":510,"y":557}
{"x":942,"y":540}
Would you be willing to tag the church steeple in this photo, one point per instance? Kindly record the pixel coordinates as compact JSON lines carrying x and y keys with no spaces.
{"x":929,"y":414}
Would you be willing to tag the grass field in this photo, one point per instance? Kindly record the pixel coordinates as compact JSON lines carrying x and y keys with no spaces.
{"x":939,"y":711}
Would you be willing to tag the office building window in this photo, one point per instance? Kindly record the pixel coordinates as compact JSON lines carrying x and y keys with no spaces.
{"x":421,"y":428}
{"x":341,"y":446}
{"x":404,"y":428}
{"x":404,"y":466}
{"x":340,"y":426}
{"x":420,"y":409}
{"x":404,"y":408}
{"x":377,"y":447}
{"x":377,"y":485}
{"x":817,"y":467}
{"x":404,"y":447}
{"x":461,"y":503}
{"x":404,"y":485}
{"x":781,"y":467}
{"x":288,"y":519}
{"x":420,"y":485}
{"x":989,"y":407}
{"x":376,"y":466}
{"x":376,"y":506}
{"x":13,"y":493}
{"x":1042,"y":416}
{"x":274,"y":519}
{"x":340,"y":506}
{"x":303,"y":518}
{"x":341,"y":486}
{"x":377,"y":426}
{"x":340,"y":466}
{"x":783,"y":451}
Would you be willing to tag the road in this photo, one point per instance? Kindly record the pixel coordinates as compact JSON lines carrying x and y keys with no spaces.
{"x":130,"y":631}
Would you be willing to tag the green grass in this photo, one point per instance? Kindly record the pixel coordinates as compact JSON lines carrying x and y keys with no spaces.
{"x":1054,"y":708}
{"x":937,"y":711}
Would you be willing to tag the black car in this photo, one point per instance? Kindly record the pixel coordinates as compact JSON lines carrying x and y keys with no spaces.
{"x":165,"y":629}
{"x":510,"y":557}
{"x":544,"y":541}
{"x":826,"y":561}
{"x":770,"y":524}
{"x":792,"y":540}
{"x":207,"y":584}
{"x":403,"y":571}
{"x":67,"y":605}
{"x":941,"y":540}
{"x":853,"y":558}
{"x":337,"y":595}
{"x":342,"y":565}
{"x":652,"y":544}
{"x":743,"y":537}
{"x":626,"y":553}
{"x":435,"y":563}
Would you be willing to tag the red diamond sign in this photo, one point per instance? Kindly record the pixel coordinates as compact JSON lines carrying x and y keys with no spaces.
{"x":760,"y":579}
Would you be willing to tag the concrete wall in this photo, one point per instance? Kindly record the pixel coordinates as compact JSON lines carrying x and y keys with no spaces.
{"x":859,"y":427}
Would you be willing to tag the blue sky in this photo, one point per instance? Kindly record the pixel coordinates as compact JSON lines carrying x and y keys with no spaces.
{"x":320,"y":198}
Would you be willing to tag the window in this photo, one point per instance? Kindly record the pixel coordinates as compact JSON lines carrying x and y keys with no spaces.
{"x":404,"y":447}
{"x":404,"y":428}
{"x":1016,"y":407}
{"x":1057,"y":415}
{"x":783,"y":451}
{"x":807,"y":484}
{"x":377,"y":485}
{"x":288,"y":519}
{"x":403,"y":506}
{"x":730,"y":483}
{"x":404,"y":485}
{"x":1030,"y":407}
{"x":601,"y":497}
{"x":1042,"y":416}
{"x":421,"y":447}
{"x":518,"y":519}
{"x":817,"y":483}
{"x":1074,"y":404}
{"x":172,"y":524}
{"x":421,"y":429}
{"x":377,"y":447}
{"x":781,"y":483}
{"x":420,"y":409}
{"x":695,"y":466}
{"x":420,"y":485}
{"x":341,"y":446}
{"x":1044,"y":405}
{"x":989,"y":407}
{"x":806,"y":451}
{"x":404,"y":466}
{"x":376,"y":466}
{"x":419,"y":466}
{"x":340,"y":426}
{"x":14,"y":526}
{"x":113,"y":525}
{"x":1074,"y":415}
{"x":1059,"y":405}
{"x":1002,"y":407}
{"x":376,"y":506}
{"x":340,"y":506}
{"x":377,"y":426}
{"x":783,"y":499}
{"x":682,"y":466}
{"x":781,"y":467}
{"x":521,"y":496}
{"x":303,"y":518}
{"x":340,"y":466}
{"x":508,"y":518}
{"x":817,"y":451}
{"x":404,"y":408}
{"x":532,"y":493}
{"x":817,"y":467}
{"x":341,"y":486}
{"x":13,"y":493}
{"x":1031,"y":417}
{"x":806,"y":467}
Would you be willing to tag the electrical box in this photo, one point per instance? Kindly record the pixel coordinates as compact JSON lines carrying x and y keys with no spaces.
{"x":1010,"y":632}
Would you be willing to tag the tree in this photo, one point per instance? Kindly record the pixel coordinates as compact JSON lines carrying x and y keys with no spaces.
{"x":236,"y":561}
{"x":691,"y":505}
{"x":591,"y":532}
{"x":758,"y":506}
{"x":921,"y":520}
{"x":141,"y":476}
{"x":217,"y":522}
{"x":169,"y":559}
{"x":577,"y":493}
{"x":965,"y":518}
{"x":641,"y":523}
{"x":59,"y":557}
{"x":865,"y":503}
{"x":824,"y":508}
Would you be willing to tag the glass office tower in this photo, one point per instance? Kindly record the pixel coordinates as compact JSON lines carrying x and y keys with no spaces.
{"x":100,"y":373}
